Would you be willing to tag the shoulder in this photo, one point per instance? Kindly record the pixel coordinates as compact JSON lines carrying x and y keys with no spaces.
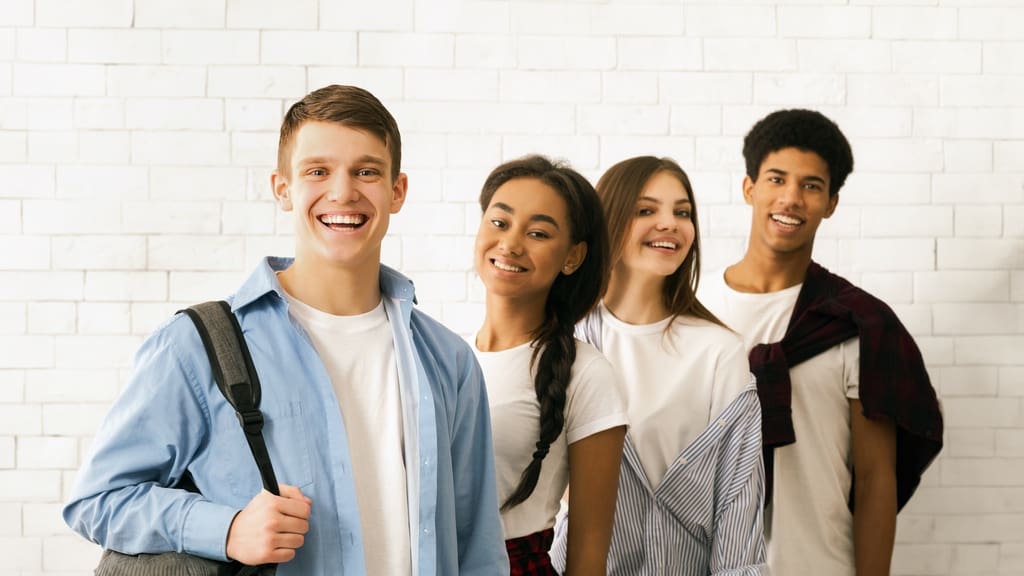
{"x":706,"y":334}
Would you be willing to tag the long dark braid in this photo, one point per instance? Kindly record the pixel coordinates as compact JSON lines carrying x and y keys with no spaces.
{"x":569,"y":300}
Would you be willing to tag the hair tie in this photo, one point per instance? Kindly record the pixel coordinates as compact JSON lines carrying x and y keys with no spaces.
{"x":542,"y":451}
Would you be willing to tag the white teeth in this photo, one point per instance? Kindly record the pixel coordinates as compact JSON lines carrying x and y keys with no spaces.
{"x":350,"y":219}
{"x":786,"y":220}
{"x":508,"y":267}
{"x":662,"y":244}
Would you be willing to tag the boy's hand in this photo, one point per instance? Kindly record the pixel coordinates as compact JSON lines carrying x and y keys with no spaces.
{"x":270,"y":528}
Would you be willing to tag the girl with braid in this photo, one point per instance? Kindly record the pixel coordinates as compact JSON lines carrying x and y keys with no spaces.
{"x":691,"y":481}
{"x":556,"y":415}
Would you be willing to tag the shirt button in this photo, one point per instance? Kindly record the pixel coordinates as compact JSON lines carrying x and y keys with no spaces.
{"x":682,"y":461}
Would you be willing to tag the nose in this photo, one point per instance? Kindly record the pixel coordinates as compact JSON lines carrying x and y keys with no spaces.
{"x":791,"y":194}
{"x":510,"y":244}
{"x":666,"y":220}
{"x":343,"y":189}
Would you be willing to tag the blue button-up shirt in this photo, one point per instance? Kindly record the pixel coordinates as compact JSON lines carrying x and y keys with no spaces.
{"x":171,"y":418}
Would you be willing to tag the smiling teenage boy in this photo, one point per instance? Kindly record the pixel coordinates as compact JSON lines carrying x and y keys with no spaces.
{"x":850,"y":419}
{"x":376,"y":416}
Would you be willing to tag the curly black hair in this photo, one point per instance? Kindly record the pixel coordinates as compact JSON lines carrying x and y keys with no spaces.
{"x":806,"y":130}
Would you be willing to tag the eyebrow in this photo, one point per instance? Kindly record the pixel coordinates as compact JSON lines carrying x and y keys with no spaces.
{"x":533,"y":218}
{"x":784,"y":173}
{"x":656,"y":201}
{"x":364,"y":159}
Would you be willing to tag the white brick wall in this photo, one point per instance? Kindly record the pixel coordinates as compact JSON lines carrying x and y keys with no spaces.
{"x":136,"y":139}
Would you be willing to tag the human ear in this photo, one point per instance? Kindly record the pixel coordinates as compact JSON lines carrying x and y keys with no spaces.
{"x":282,"y":192}
{"x":748,"y":190}
{"x":833,"y":201}
{"x":398,"y":192}
{"x":575,"y":257}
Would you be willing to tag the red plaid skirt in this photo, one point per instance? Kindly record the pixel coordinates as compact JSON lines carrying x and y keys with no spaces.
{"x":528,"y":555}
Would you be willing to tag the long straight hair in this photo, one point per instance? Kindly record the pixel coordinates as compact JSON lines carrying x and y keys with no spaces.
{"x":620,"y":189}
{"x":570,"y":298}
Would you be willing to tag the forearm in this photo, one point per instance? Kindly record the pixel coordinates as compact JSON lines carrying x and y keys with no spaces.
{"x":874,"y":524}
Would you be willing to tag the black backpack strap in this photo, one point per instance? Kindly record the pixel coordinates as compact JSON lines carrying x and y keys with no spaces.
{"x":236,"y":377}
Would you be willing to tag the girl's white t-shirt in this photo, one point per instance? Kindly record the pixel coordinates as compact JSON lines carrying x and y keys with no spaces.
{"x":592,"y":405}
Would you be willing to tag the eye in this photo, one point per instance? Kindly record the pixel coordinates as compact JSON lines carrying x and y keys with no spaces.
{"x":538,"y":234}
{"x":644,"y":212}
{"x":319,"y":172}
{"x":498,"y":223}
{"x":775,"y":179}
{"x":812,"y":186}
{"x":682,"y":213}
{"x":367,"y":173}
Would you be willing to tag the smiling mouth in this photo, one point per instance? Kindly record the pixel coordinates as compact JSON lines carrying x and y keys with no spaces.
{"x":787,"y":221}
{"x":664,"y":245}
{"x":507,"y":267}
{"x":343,"y":221}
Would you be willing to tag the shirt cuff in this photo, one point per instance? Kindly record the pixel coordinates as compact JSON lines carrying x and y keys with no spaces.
{"x":205,"y":532}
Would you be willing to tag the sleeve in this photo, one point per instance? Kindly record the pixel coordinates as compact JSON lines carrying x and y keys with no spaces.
{"x":478,"y":523}
{"x":851,"y":366}
{"x":731,"y":377}
{"x":738,"y":547}
{"x":122,"y":498}
{"x":594,"y":400}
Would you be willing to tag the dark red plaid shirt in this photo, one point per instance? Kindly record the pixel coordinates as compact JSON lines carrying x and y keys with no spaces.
{"x":894,"y":384}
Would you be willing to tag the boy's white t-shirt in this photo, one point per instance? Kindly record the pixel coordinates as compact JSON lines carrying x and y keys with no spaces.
{"x":675,"y":383}
{"x":592,"y":405}
{"x":359,"y":355}
{"x":808,"y":526}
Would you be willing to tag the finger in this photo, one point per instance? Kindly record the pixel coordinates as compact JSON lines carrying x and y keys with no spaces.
{"x":288,"y":525}
{"x":289,"y":491}
{"x":289,"y":541}
{"x":294,"y":508}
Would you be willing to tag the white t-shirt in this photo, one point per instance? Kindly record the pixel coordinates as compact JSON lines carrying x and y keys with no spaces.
{"x":592,"y":405}
{"x":675,"y":382}
{"x":808,"y":526}
{"x":359,"y":355}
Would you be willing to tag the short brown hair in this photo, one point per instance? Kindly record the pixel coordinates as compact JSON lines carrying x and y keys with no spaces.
{"x":347,"y":105}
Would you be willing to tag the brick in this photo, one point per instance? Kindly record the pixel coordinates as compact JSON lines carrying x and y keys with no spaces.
{"x":253,"y":148}
{"x":94,"y":351}
{"x":512,"y":118}
{"x":25,"y":253}
{"x":195,"y":253}
{"x":980,"y":319}
{"x":246,"y":218}
{"x":835,"y":56}
{"x":452,"y":85}
{"x":104,"y":147}
{"x":574,"y":53}
{"x":976,"y":123}
{"x":252,"y":115}
{"x":387,"y":15}
{"x":148,"y":316}
{"x":75,"y":385}
{"x":975,"y":528}
{"x":966,"y":380}
{"x":99,"y":252}
{"x":560,"y":19}
{"x":157,"y":81}
{"x":65,"y":217}
{"x":706,"y":88}
{"x":407,"y":50}
{"x":810,"y":89}
{"x":824,"y":22}
{"x":1014,"y":221}
{"x":40,"y":285}
{"x":731,"y":220}
{"x":43,"y":519}
{"x":1003,"y":57}
{"x":51,"y":317}
{"x":937,"y":57}
{"x":978,"y":253}
{"x":967,"y":155}
{"x":257,"y":81}
{"x":174,"y":114}
{"x":463,"y":318}
{"x":103,"y":183}
{"x":892,"y":90}
{"x":21,"y":553}
{"x":990,"y":23}
{"x":13,"y":147}
{"x":69,"y":553}
{"x":981,"y":91}
{"x":884,"y":255}
{"x":995,"y":350}
{"x":580,"y":151}
{"x":892,"y":287}
{"x":488,"y":51}
{"x":962,"y":286}
{"x":98,"y":113}
{"x":59,"y":80}
{"x":1017,"y":287}
{"x":768,"y":55}
{"x":922,"y":559}
{"x":179,"y":14}
{"x":201,"y":47}
{"x":177,"y":148}
{"x":459,"y":16}
{"x":200,"y":286}
{"x":984,"y":188}
{"x":917,"y":23}
{"x":308,"y":48}
{"x":899,"y":155}
{"x":424,"y":219}
{"x":695,"y":120}
{"x":14,"y":315}
{"x":269,"y":14}
{"x":258,"y":247}
{"x":543,"y":86}
{"x":978,"y":221}
{"x":473,"y":151}
{"x":198,"y":182}
{"x":50,"y":114}
{"x":384,"y":83}
{"x":113,"y":46}
{"x":6,"y":86}
{"x":425,"y":184}
{"x":978,"y":413}
{"x":8,"y":449}
{"x":17,"y":13}
{"x":104,"y":318}
{"x":967,"y":500}
{"x":639,"y":19}
{"x":1008,"y":156}
{"x":909,"y":222}
{"x":719,"y":154}
{"x":462,"y":186}
{"x":42,"y":44}
{"x":84,"y":13}
{"x":969,"y":443}
{"x":10,"y":519}
{"x":20,"y":419}
{"x":917,"y":318}
{"x":936,"y":351}
{"x":435,"y":254}
{"x":1010,"y":443}
{"x":59,"y":147}
{"x":623,"y":120}
{"x":629,"y":87}
{"x":43,"y":453}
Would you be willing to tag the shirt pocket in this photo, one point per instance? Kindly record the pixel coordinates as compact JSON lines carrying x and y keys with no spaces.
{"x":286,"y":434}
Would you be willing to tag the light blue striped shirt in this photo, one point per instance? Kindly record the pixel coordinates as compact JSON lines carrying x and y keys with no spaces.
{"x":705,"y":516}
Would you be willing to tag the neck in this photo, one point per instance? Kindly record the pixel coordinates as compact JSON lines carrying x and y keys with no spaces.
{"x":762,"y":273}
{"x":508,"y":323}
{"x":635,"y":298}
{"x":334,"y":290}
